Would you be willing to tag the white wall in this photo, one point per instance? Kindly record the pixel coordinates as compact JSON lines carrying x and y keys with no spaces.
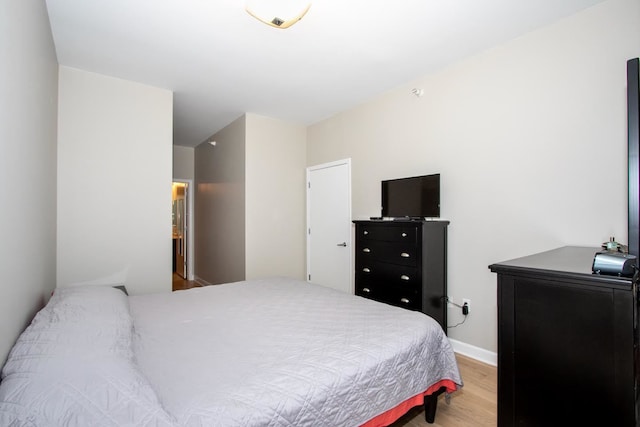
{"x":114,"y":182}
{"x":28,"y":109}
{"x":530,"y":139}
{"x":275,"y":198}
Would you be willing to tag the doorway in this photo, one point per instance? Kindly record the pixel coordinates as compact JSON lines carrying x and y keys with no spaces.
{"x":182,"y":230}
{"x":329,"y":249}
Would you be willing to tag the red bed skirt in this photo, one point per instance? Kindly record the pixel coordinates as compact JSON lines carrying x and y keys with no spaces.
{"x":396,"y":412}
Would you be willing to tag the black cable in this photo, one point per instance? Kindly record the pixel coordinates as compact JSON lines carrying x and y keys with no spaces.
{"x":447,"y":301}
{"x":458,"y":324}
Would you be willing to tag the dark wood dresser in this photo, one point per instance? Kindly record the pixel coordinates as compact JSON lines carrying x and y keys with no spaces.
{"x":567,"y":342}
{"x":403,"y":263}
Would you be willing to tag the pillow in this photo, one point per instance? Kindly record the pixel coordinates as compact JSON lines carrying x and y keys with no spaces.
{"x":74,"y":365}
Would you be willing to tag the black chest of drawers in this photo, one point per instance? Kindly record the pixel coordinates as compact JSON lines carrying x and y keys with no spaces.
{"x":403,"y":263}
{"x":568,"y":350}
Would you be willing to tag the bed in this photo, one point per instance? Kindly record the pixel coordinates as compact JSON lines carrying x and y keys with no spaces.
{"x":270,"y":352}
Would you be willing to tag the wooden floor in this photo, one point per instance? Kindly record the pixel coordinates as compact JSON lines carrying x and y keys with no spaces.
{"x":179,"y":283}
{"x":474,"y":405}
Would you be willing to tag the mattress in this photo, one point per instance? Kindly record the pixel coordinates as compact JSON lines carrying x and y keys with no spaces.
{"x":272,"y":352}
{"x":284,"y":352}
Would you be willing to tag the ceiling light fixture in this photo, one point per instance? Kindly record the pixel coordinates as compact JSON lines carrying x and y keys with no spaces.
{"x":280,"y":13}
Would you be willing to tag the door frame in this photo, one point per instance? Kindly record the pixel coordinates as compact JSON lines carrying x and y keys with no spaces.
{"x":190,"y":222}
{"x":310,"y":169}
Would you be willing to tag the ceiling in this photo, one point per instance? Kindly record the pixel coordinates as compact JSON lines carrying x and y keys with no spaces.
{"x":220,"y":62}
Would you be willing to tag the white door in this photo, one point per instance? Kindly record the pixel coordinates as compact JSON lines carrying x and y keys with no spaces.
{"x":329,"y":225}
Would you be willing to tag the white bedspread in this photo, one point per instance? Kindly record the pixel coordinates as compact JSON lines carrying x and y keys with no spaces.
{"x":282,"y":352}
{"x":73,"y":366}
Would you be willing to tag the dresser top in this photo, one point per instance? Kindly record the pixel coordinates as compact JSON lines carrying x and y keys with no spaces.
{"x":567,"y":260}
{"x":400,"y":221}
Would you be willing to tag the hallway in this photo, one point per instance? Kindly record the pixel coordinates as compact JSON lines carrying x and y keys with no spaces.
{"x":180,"y":284}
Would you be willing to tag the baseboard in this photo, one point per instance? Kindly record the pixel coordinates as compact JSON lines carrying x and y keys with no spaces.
{"x":201,"y":281}
{"x":474,"y":352}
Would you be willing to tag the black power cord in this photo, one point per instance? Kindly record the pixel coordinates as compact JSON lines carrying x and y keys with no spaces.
{"x":464,"y":307}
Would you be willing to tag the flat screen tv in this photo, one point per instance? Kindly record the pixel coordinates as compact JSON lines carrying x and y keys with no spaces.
{"x":414,"y":197}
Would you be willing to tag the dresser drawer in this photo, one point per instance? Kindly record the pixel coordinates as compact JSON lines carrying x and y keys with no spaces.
{"x":388,"y":274}
{"x":407,"y":297}
{"x":406,"y":234}
{"x":368,"y":251}
{"x":402,"y":296}
{"x":390,"y":283}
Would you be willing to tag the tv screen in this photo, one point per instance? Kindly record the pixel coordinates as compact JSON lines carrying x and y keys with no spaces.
{"x":414,"y":197}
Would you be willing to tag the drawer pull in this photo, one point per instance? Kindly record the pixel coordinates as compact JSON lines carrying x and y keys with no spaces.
{"x":405,"y":255}
{"x":366,"y":270}
{"x":365,"y":232}
{"x":404,"y":234}
{"x":366,"y":290}
{"x":404,"y":277}
{"x":366,"y":250}
{"x":404,"y":300}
